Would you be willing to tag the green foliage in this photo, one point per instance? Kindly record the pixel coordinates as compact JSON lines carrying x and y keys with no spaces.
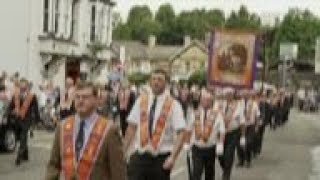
{"x":166,"y":18}
{"x":243,"y":20}
{"x":300,"y":26}
{"x":138,"y":78}
{"x":198,"y":77}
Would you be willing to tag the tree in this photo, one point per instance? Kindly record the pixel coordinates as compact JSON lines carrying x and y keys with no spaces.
{"x":198,"y":77}
{"x":141,"y":23}
{"x":138,"y":78}
{"x":243,"y":20}
{"x":197,"y":23}
{"x":166,"y":19}
{"x":122,"y":32}
{"x":300,"y":27}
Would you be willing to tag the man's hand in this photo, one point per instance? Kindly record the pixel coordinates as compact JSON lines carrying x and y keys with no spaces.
{"x":219,"y":149}
{"x":242,"y":141}
{"x":169,"y":163}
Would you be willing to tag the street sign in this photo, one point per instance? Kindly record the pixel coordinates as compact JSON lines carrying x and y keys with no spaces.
{"x":317,"y":57}
{"x":288,"y":51}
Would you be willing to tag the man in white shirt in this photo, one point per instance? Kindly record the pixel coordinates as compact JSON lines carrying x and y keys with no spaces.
{"x":234,"y":124}
{"x":208,"y":132}
{"x":152,"y":124}
{"x":252,"y":123}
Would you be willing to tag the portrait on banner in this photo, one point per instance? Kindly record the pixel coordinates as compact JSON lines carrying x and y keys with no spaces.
{"x":232,"y":59}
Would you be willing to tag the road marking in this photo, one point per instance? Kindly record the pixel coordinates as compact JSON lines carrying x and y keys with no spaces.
{"x":177,"y":172}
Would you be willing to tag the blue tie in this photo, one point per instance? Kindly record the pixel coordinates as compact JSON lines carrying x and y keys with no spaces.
{"x":151,"y":116}
{"x":80,"y":139}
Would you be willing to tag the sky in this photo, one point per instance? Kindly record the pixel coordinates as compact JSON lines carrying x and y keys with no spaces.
{"x":13,"y":35}
{"x":14,"y":20}
{"x":276,"y":7}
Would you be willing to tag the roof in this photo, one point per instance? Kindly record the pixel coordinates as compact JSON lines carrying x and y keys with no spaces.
{"x":186,"y":48}
{"x":162,"y":52}
{"x":137,"y":50}
{"x":134,"y":49}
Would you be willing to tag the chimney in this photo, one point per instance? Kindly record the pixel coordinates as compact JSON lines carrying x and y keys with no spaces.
{"x":187,"y":41}
{"x":152,"y":41}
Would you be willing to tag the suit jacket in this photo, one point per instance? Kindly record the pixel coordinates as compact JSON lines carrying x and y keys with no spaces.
{"x":32,"y":115}
{"x":109,"y":161}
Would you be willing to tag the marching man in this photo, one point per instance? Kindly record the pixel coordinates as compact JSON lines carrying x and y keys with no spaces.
{"x":152,"y":124}
{"x":24,"y":110}
{"x":252,"y":114}
{"x":235,"y":127}
{"x":86,"y":145}
{"x":208,"y":130}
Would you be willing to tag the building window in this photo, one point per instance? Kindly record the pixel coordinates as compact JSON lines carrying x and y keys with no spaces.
{"x":46,"y":16}
{"x":93,"y":24}
{"x":57,"y":16}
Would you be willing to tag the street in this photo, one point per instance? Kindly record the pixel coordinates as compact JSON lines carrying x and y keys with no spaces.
{"x":288,"y":153}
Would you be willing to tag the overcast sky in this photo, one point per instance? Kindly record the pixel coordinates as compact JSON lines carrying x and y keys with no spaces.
{"x":278,"y":7}
{"x":14,"y":17}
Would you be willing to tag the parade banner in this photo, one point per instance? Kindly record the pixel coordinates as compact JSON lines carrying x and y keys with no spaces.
{"x":232,"y":58}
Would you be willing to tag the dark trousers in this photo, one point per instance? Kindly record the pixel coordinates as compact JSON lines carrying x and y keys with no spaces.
{"x":245,"y":154}
{"x":148,"y":167}
{"x":226,"y":160}
{"x":123,"y":121}
{"x":250,"y":137}
{"x":259,"y":139}
{"x":22,"y":127}
{"x":203,"y":160}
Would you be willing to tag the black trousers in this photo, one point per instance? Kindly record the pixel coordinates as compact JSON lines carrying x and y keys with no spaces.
{"x":203,"y":160}
{"x":227,"y":159}
{"x":148,"y":167}
{"x":123,"y":121}
{"x":259,"y":139}
{"x":245,"y":154}
{"x":22,"y":128}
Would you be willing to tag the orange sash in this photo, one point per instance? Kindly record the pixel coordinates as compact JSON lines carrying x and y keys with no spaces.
{"x":161,"y":122}
{"x":81,"y":170}
{"x":203,"y":133}
{"x":229,"y":115}
{"x":21,"y":111}
{"x":249,"y":111}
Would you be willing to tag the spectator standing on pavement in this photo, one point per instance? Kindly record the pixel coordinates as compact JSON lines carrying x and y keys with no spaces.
{"x":67,"y":99}
{"x":125,"y":101}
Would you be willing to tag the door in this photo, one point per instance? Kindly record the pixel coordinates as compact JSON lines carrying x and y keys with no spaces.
{"x":73,"y":70}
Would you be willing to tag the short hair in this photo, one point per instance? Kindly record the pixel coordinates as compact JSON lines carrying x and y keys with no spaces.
{"x":23,"y":80}
{"x":87,"y":84}
{"x":161,"y":71}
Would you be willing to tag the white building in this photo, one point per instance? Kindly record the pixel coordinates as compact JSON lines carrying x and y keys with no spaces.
{"x":64,"y":37}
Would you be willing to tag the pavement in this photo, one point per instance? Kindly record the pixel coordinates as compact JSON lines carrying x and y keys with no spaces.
{"x":291,"y":152}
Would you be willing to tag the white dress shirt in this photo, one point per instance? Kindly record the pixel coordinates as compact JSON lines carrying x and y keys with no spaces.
{"x":218,"y":128}
{"x":238,"y":117}
{"x":255,"y":113}
{"x":174,"y":122}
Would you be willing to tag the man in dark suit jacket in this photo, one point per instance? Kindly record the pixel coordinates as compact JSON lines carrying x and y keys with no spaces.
{"x":23,"y":109}
{"x":86,"y":145}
